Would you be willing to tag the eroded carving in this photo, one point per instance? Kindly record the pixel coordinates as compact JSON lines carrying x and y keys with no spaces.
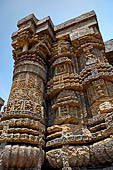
{"x":61,"y":98}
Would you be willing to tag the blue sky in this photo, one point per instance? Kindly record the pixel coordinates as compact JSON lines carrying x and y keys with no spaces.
{"x":59,"y":11}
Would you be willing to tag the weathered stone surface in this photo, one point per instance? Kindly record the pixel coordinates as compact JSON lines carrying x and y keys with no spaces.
{"x":59,"y":114}
{"x":1,"y":102}
{"x":109,"y":46}
{"x":109,"y":50}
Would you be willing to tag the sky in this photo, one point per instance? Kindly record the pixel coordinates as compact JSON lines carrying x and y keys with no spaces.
{"x":59,"y":10}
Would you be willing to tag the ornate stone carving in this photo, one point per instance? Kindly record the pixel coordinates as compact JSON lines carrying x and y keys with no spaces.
{"x":60,"y":107}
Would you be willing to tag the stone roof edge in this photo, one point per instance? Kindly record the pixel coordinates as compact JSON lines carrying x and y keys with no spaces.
{"x":27,"y":18}
{"x":75,"y":20}
{"x":59,"y":27}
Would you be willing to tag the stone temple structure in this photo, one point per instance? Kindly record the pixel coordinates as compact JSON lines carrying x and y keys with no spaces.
{"x":59,"y":114}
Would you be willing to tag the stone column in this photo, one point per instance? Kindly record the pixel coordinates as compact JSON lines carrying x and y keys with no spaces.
{"x":65,"y":113}
{"x":24,"y":114}
{"x":80,"y":78}
{"x":93,"y":68}
{"x":64,"y":86}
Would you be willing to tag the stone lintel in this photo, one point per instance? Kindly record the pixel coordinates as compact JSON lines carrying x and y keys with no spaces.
{"x":85,"y":20}
{"x":75,"y":20}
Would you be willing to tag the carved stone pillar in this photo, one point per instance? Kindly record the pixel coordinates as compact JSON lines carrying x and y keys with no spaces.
{"x":80,"y":97}
{"x":65,"y":114}
{"x":23,"y":118}
{"x":64,"y":86}
{"x":92,"y":66}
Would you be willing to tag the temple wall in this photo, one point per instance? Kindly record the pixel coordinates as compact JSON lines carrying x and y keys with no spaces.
{"x":59,"y":113}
